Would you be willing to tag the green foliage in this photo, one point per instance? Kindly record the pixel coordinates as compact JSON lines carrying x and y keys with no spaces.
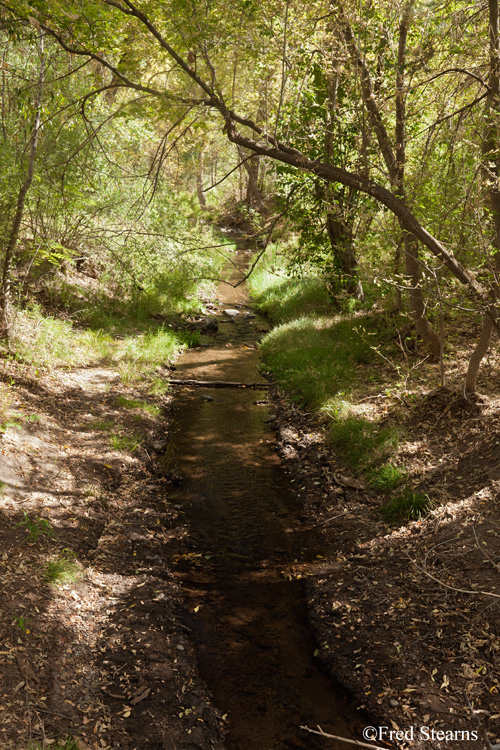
{"x":409,"y":506}
{"x":64,"y":569}
{"x":282,"y":297}
{"x":316,"y":355}
{"x":315,"y":358}
{"x":386,"y":478}
{"x":158,"y":386}
{"x":140,"y":355}
{"x":36,"y":528}
{"x":50,"y":342}
{"x":22,"y":623}
{"x":125,"y":443}
{"x":12,"y":423}
{"x":47,"y":342}
{"x":362,"y":443}
{"x":134,"y":403}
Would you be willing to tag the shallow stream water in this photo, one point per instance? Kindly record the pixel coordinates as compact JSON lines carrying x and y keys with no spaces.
{"x":255,"y":649}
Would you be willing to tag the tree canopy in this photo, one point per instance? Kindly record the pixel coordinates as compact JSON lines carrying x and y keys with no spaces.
{"x":314,"y":104}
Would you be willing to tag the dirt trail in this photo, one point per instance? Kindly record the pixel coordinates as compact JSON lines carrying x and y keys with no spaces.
{"x":247,"y":613}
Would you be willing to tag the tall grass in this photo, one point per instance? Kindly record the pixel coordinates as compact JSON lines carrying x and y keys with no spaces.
{"x":363,"y":444}
{"x":45,"y":341}
{"x":322,"y":358}
{"x":316,"y":357}
{"x":48,"y":342}
{"x":314,"y":353}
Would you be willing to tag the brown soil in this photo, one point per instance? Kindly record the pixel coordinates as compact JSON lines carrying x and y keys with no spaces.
{"x":104,"y":658}
{"x":408,"y":617}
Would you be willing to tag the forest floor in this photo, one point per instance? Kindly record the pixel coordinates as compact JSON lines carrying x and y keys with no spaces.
{"x":408,"y":616}
{"x":91,"y":644}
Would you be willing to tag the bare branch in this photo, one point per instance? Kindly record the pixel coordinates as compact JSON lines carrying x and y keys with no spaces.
{"x":342,"y":739}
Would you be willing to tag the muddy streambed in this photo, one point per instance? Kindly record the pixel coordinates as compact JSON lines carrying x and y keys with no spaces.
{"x":247,"y":616}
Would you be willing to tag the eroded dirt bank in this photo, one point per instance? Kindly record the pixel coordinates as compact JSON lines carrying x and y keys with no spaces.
{"x":212,"y":543}
{"x":408,"y":616}
{"x":247,"y":612}
{"x":103,"y":657}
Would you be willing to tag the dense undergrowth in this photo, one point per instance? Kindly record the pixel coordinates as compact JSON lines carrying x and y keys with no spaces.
{"x":328,"y":360}
{"x":71,"y":320}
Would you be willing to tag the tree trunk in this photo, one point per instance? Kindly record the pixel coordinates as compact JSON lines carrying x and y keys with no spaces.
{"x":253,"y":192}
{"x":6,"y":300}
{"x":339,"y":223}
{"x":395,"y":159}
{"x":417,"y":302}
{"x":477,"y":356}
{"x":200,"y":173}
{"x":341,"y":242}
{"x":491,"y":169}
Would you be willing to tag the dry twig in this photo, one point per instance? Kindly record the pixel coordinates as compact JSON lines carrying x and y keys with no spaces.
{"x":358,"y":743}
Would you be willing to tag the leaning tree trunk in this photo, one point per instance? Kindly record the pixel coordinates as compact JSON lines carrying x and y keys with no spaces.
{"x":477,"y":355}
{"x":6,"y":294}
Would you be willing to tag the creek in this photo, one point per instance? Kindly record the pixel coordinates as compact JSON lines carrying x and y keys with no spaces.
{"x":247,"y":615}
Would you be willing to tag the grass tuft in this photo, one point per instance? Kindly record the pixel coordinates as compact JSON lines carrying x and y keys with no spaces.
{"x":386,"y":478}
{"x":103,"y":424}
{"x":36,"y":528}
{"x":64,"y":569}
{"x":125,"y":443}
{"x":409,"y":506}
{"x":361,"y":443}
{"x":134,"y":403}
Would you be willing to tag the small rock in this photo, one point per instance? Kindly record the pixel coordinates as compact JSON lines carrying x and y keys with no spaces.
{"x":394,"y":702}
{"x":231,"y":313}
{"x":159,"y":445}
{"x":209,"y":325}
{"x":207,"y":398}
